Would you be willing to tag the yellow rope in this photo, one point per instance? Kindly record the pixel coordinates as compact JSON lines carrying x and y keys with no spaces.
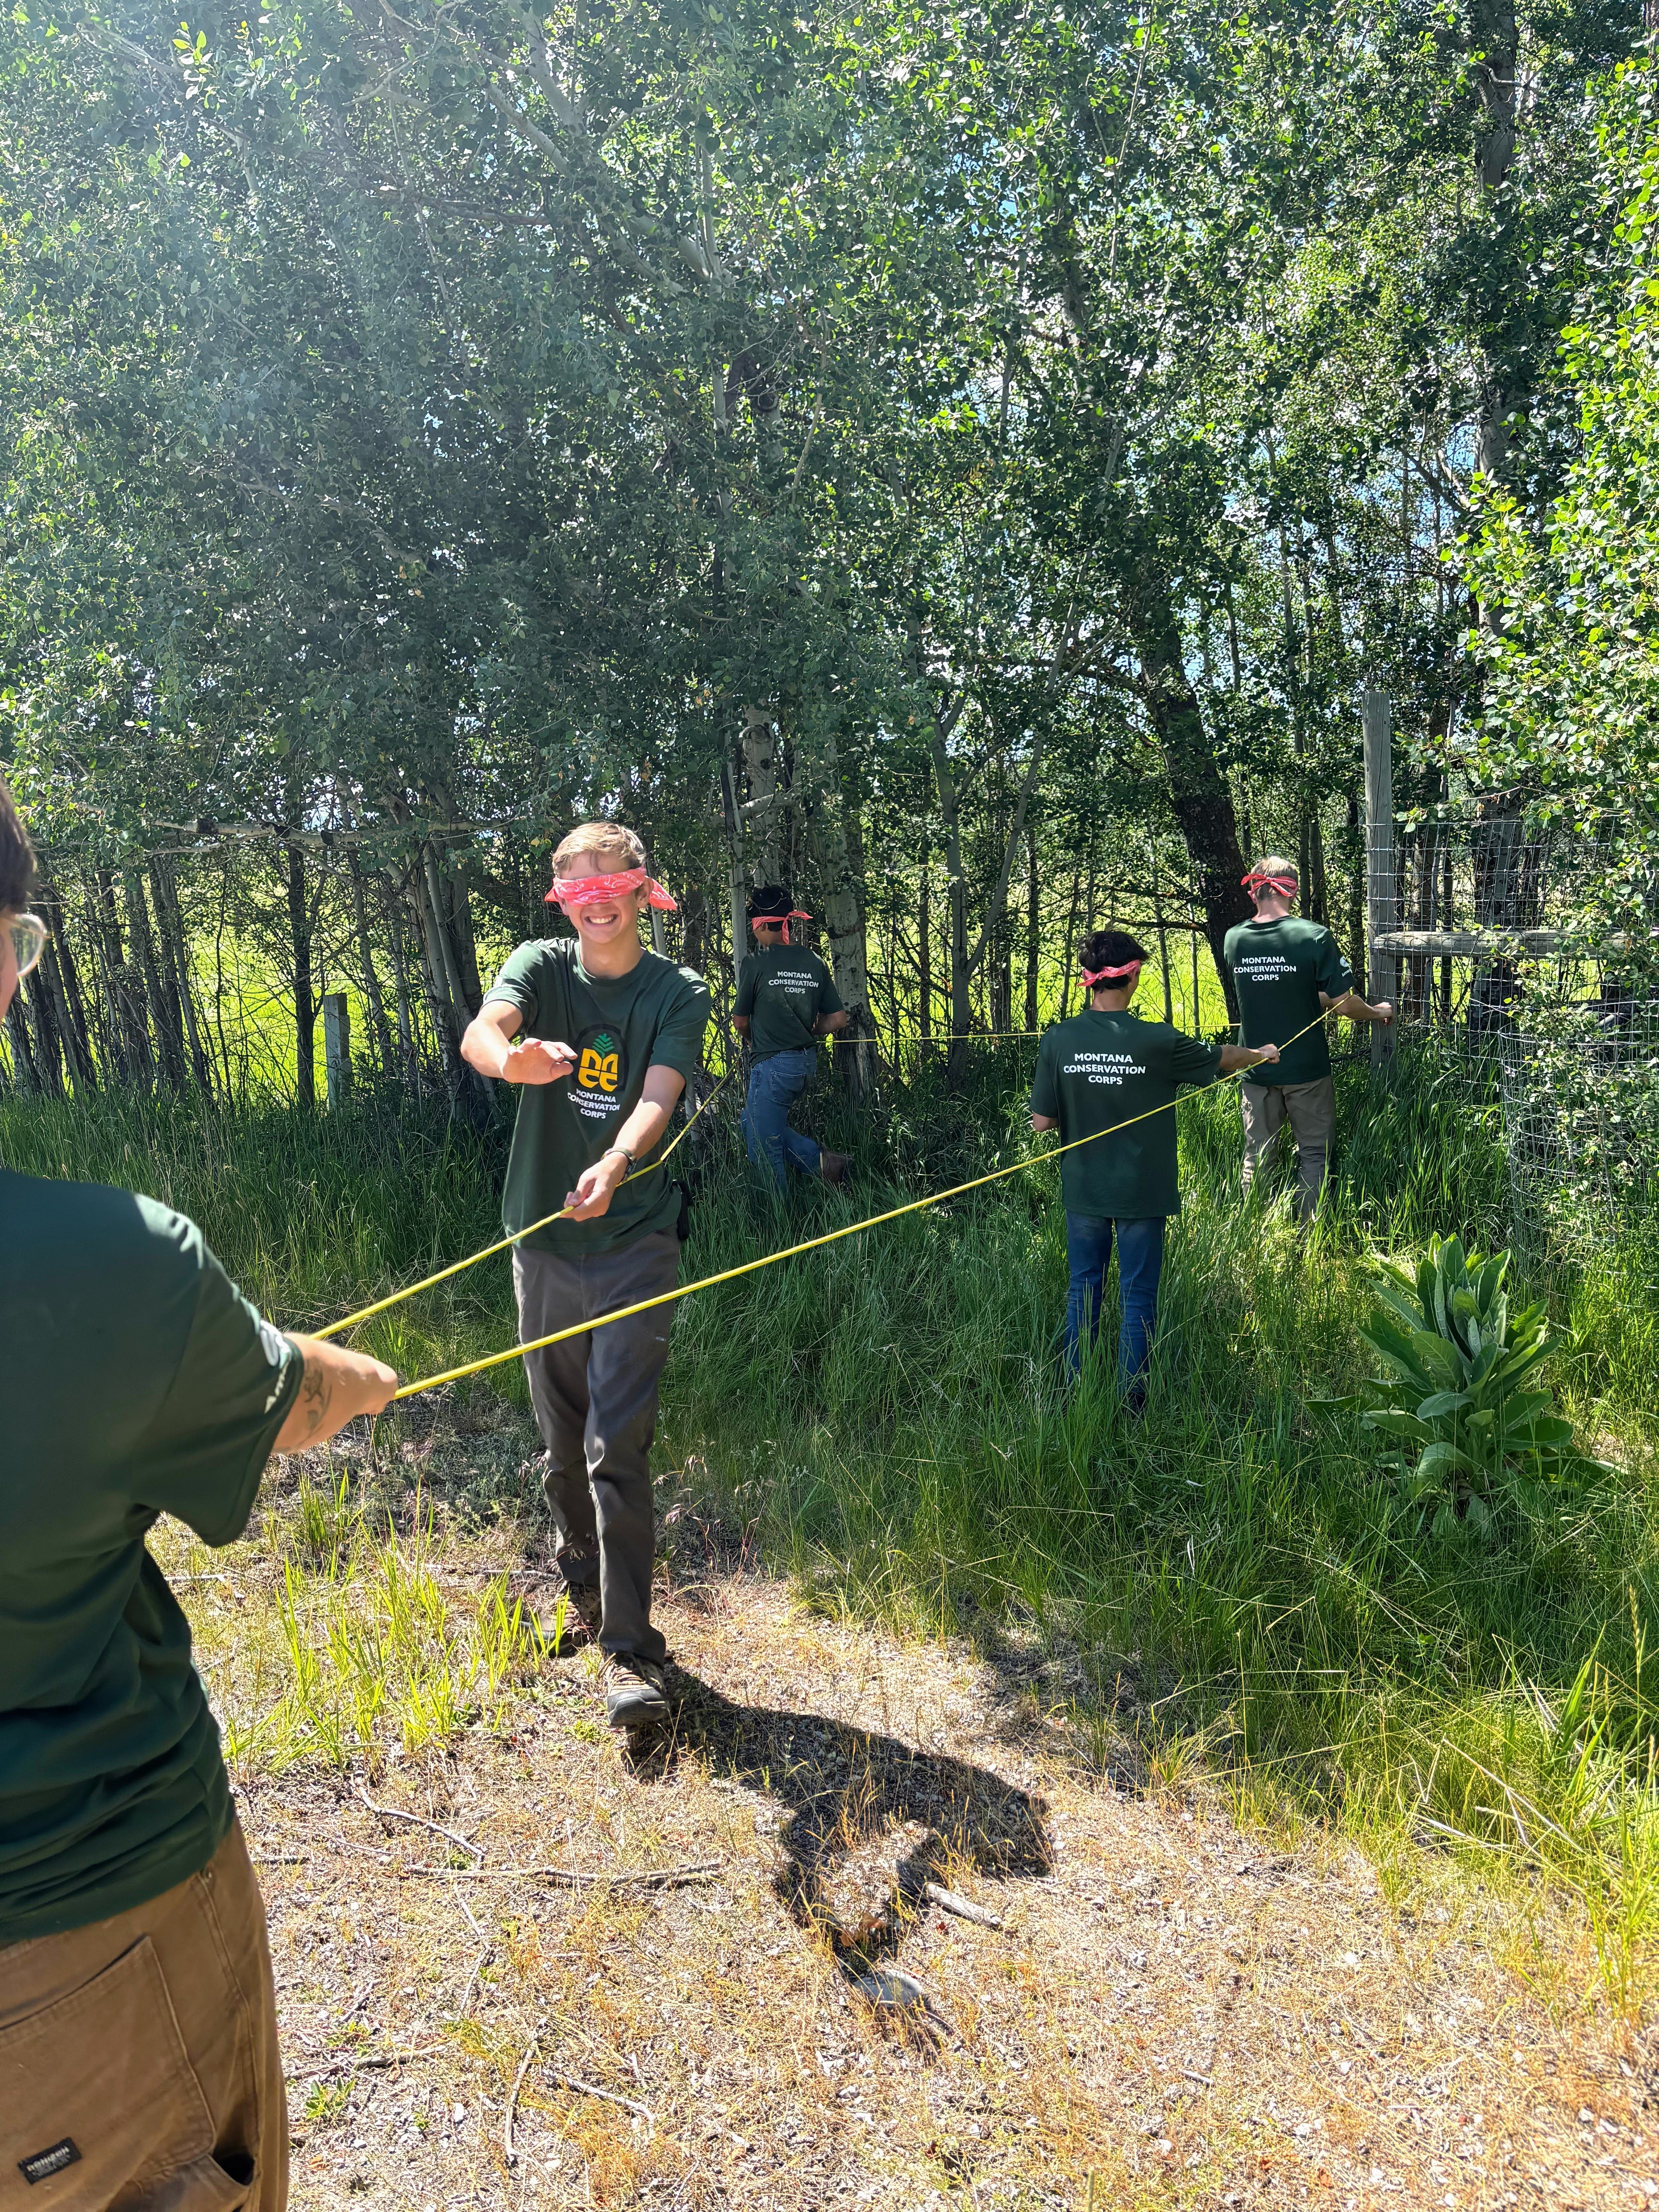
{"x":793,"y":1251}
{"x":397,"y":1297}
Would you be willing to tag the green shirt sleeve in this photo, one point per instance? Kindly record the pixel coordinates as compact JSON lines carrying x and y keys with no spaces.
{"x":746,"y":987}
{"x":202,"y":1456}
{"x":679,"y":1042}
{"x":1334,"y":976}
{"x":519,"y":983}
{"x":1192,"y":1060}
{"x":1045,"y":1095}
{"x":830,"y":1000}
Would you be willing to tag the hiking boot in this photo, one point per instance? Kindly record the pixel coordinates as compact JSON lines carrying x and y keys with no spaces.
{"x":833,"y":1166}
{"x":572,"y":1620}
{"x":635,"y":1690}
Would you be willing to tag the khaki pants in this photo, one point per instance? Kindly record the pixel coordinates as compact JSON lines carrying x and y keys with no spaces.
{"x":139,"y":2068}
{"x":1310,"y":1109}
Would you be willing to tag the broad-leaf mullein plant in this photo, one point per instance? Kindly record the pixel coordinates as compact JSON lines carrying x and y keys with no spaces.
{"x":1462,"y":1397}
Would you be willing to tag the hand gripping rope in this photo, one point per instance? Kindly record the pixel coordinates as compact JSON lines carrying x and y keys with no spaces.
{"x":397,"y":1297}
{"x":749,"y":1267}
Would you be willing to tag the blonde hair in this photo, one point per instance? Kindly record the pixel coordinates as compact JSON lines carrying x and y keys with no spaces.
{"x":1275,"y":864}
{"x":610,"y":841}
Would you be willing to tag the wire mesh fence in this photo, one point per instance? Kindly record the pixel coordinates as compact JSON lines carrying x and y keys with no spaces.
{"x":1501,"y":938}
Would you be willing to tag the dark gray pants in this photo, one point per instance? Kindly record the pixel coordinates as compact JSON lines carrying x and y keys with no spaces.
{"x":595,"y":1397}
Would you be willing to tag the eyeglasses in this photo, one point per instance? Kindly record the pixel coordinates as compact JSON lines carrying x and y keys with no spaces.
{"x":28,"y":940}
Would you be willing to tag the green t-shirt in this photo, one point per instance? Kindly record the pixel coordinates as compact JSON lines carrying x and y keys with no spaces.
{"x":1099,"y":1069}
{"x":1279,"y":969}
{"x":135,"y":1380}
{"x":783,"y":991}
{"x":618,"y":1026}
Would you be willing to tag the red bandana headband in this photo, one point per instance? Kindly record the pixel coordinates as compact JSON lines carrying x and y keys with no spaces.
{"x":781,"y":921}
{"x":590,"y":890}
{"x":1092,"y":976}
{"x":1284,"y":885}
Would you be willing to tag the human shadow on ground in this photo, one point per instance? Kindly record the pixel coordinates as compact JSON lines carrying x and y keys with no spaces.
{"x":865,"y":1816}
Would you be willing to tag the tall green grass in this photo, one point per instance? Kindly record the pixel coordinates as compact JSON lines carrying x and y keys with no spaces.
{"x":1221,"y":1579}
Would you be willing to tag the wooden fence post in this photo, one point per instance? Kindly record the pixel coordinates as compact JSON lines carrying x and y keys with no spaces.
{"x":1381,"y":882}
{"x":337,"y":1046}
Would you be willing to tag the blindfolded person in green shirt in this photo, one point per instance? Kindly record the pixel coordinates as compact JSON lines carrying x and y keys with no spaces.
{"x":138,"y":2048}
{"x":1287,"y":971}
{"x":603,"y":1037}
{"x":786,"y":1001}
{"x":1101,"y":1068}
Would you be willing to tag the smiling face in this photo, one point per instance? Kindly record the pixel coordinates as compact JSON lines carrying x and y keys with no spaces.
{"x":606,"y":922}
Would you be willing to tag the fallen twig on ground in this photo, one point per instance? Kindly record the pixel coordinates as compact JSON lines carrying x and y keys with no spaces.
{"x":568,"y":1878}
{"x":948,"y":1901}
{"x":610,"y":2097}
{"x":418,"y":1821}
{"x":349,"y":2062}
{"x":513,"y":2104}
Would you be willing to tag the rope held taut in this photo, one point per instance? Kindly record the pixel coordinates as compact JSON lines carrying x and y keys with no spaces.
{"x":397,"y":1297}
{"x":795,"y":1251}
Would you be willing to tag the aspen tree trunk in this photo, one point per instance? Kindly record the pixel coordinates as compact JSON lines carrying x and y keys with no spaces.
{"x":48,"y":1060}
{"x":759,"y":741}
{"x":737,"y":878}
{"x":926,"y":948}
{"x":406,"y":1039}
{"x":1162,"y":943}
{"x":164,"y":1019}
{"x":455,"y":906}
{"x":958,"y":974}
{"x":22,"y":1050}
{"x":838,"y":838}
{"x":1067,"y":957}
{"x":378,"y":1029}
{"x":170,"y":917}
{"x":1202,"y":804}
{"x":1033,"y":929}
{"x":77,"y":1070}
{"x":454,"y":958}
{"x":65,"y":983}
{"x":1493,"y":36}
{"x":468,"y":1101}
{"x":305,"y":1001}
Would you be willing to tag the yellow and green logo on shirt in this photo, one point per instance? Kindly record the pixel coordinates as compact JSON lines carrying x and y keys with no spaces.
{"x":600,"y":1067}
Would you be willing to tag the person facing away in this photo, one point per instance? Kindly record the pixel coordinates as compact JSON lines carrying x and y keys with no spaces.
{"x":1287,"y":972}
{"x":603,"y":1036}
{"x":786,"y":1001}
{"x":139,"y":2062}
{"x":1101,"y":1068}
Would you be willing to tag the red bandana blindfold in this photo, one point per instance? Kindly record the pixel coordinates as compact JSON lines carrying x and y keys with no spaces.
{"x":778,"y":921}
{"x":1092,"y":976}
{"x":592,"y":890}
{"x":1284,"y":885}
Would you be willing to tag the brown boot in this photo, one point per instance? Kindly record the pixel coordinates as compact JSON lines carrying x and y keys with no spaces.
{"x":833,"y":1166}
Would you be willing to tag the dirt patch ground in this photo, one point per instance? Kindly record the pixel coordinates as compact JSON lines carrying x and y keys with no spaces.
{"x":1171,"y":2011}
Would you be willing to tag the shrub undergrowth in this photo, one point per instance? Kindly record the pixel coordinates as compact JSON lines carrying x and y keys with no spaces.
{"x":1226,"y":1578}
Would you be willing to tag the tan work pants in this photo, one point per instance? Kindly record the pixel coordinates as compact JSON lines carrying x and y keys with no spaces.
{"x":1310,"y":1109}
{"x":139,"y":2069}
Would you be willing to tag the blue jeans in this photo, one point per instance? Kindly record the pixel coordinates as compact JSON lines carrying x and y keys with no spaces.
{"x":773,"y":1083}
{"x":1140,"y":1265}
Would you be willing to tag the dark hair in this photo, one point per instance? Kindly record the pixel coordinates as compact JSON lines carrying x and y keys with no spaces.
{"x":1109,"y":948}
{"x":770,"y":902}
{"x":16,"y":858}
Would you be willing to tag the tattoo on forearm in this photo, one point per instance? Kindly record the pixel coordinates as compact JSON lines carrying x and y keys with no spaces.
{"x":316,"y":1395}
